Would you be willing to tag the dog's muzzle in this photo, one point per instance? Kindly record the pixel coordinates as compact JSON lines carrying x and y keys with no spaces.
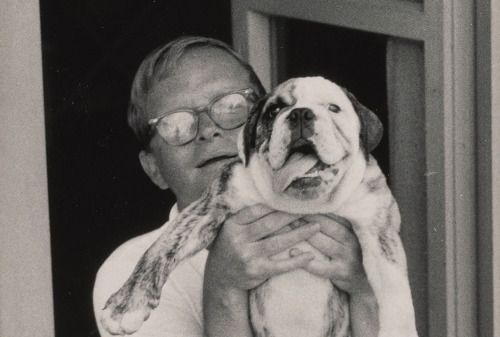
{"x":301,"y":123}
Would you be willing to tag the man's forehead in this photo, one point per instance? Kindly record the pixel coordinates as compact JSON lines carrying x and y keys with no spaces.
{"x":198,"y":59}
{"x":195,"y":82}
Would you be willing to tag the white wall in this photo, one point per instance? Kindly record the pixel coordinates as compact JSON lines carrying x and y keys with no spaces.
{"x":25,"y":275}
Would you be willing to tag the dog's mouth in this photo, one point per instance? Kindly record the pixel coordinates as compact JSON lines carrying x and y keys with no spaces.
{"x":317,"y":174}
{"x":305,"y":148}
{"x":304,"y":172}
{"x":302,"y":146}
{"x":312,"y":178}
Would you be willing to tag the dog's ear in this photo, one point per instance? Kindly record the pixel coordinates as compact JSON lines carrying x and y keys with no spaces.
{"x":249,"y":133}
{"x":371,"y":127}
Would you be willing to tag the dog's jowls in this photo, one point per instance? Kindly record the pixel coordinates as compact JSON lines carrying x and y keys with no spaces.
{"x":305,"y":149}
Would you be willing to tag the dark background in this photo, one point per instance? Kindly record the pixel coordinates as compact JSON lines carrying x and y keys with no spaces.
{"x":99,"y":197}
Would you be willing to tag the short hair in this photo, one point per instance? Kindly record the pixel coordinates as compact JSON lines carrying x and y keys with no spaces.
{"x":160,"y":64}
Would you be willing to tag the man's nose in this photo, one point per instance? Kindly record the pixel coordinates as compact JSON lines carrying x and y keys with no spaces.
{"x":301,"y":120}
{"x":207,"y":129}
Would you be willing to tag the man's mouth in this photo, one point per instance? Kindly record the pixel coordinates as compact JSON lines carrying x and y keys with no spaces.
{"x":216,"y":159}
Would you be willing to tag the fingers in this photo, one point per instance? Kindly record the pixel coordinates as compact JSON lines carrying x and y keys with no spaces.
{"x":340,"y":220}
{"x":280,"y":242}
{"x":269,"y":224}
{"x":326,"y":245}
{"x":335,"y":230}
{"x":251,"y":214}
{"x":300,"y":260}
{"x":320,"y":267}
{"x":258,"y":221}
{"x":324,"y":269}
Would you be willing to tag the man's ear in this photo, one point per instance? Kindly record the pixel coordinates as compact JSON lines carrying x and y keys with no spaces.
{"x":150,"y":166}
{"x":248,"y":137}
{"x":371,"y":127}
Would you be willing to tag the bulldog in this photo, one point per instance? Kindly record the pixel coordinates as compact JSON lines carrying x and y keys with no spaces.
{"x":305,"y":149}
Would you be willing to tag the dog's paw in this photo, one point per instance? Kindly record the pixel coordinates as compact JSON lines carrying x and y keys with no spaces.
{"x":126,"y":310}
{"x":122,"y":324}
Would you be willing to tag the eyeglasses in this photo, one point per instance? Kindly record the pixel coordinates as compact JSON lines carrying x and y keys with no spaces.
{"x":228,"y":111}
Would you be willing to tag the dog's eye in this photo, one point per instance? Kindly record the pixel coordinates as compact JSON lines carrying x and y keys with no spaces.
{"x":274,"y":109}
{"x":334,"y":108}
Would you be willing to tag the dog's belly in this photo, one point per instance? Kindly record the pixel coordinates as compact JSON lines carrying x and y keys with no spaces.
{"x":299,"y":304}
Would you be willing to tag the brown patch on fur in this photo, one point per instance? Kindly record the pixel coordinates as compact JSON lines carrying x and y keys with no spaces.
{"x":376,"y":184}
{"x":257,"y":297}
{"x":338,"y":302}
{"x":250,"y":129}
{"x":387,"y":244}
{"x":371,"y":127}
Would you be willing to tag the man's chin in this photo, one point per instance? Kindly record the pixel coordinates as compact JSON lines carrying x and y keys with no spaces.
{"x":210,"y":172}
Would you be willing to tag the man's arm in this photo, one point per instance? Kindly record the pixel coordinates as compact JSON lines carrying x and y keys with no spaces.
{"x":225,"y":311}
{"x":364,"y":314}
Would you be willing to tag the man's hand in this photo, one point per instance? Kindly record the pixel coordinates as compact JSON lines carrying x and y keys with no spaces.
{"x":240,"y":255}
{"x":338,"y":242}
{"x":240,"y":259}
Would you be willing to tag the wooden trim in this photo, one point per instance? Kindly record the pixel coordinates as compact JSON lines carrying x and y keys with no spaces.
{"x":26,"y":307}
{"x":252,"y":38}
{"x":404,"y":19}
{"x":406,"y":131}
{"x":451,"y":170}
{"x":488,"y":164}
{"x":495,"y":165}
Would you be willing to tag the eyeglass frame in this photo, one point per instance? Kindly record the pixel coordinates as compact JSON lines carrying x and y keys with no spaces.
{"x":246,"y":93}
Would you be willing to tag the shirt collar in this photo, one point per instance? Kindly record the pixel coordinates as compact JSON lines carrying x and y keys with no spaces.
{"x":174,"y":211}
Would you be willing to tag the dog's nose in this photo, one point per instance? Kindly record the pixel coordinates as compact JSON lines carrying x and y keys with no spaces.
{"x":301,"y":115}
{"x":301,"y":122}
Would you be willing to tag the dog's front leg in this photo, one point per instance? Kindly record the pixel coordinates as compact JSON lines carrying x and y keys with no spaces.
{"x":384,"y":261}
{"x":192,"y":230}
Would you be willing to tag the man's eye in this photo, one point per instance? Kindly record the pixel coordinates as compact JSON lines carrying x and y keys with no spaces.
{"x":334,"y":108}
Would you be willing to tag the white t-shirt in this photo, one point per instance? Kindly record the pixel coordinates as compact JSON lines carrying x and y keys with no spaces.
{"x":180,"y":312}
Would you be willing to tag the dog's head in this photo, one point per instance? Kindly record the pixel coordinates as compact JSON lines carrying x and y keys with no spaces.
{"x":303,"y":137}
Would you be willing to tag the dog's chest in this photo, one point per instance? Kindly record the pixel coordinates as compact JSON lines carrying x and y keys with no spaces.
{"x":298,"y":303}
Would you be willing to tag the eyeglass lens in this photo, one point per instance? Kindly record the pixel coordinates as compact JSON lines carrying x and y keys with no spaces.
{"x":181,"y":127}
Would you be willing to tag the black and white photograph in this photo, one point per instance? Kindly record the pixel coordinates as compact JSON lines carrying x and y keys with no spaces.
{"x":250,"y":168}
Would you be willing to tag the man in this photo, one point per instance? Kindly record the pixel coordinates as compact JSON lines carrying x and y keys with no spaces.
{"x":183,"y":111}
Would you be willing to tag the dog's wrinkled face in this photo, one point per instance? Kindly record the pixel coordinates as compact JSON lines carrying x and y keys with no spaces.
{"x":305,"y":135}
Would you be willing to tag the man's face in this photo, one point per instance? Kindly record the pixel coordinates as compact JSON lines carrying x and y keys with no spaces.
{"x":200,"y":75}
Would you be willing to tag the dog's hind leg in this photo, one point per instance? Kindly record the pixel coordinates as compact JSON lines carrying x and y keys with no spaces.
{"x":192,"y":230}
